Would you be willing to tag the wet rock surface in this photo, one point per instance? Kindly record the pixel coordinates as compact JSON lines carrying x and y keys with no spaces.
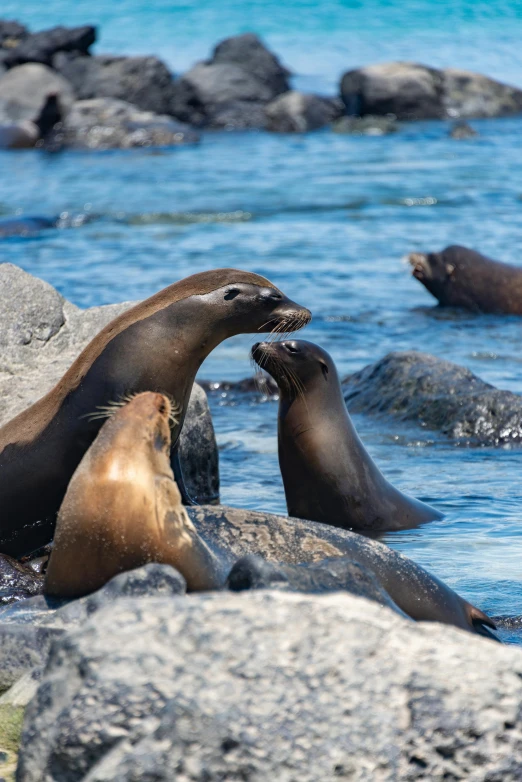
{"x":271,"y":686}
{"x":439,"y":395}
{"x":42,"y":46}
{"x":41,"y":334}
{"x":414,"y":91}
{"x":107,"y":123}
{"x":298,"y":112}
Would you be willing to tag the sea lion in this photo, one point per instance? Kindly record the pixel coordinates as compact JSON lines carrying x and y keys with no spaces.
{"x":327,"y":472}
{"x":26,"y":134}
{"x":459,"y":277}
{"x":122,"y":508}
{"x":232,"y":533}
{"x":157,"y":345}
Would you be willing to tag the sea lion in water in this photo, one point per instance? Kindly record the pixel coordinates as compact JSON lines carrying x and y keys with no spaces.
{"x":459,"y":277}
{"x":327,"y":472}
{"x":123,"y":509}
{"x":157,"y":345}
{"x":26,"y":134}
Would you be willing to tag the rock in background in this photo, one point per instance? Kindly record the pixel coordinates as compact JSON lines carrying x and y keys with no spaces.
{"x":41,"y":334}
{"x":412,"y":91}
{"x":297,"y":112}
{"x":439,"y":395}
{"x":272,"y":686}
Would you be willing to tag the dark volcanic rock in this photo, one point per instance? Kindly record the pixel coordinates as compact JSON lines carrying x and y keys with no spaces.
{"x":439,"y":395}
{"x":231,"y":89}
{"x":146,"y":82}
{"x":249,"y":385}
{"x":413,"y":91}
{"x":12,"y":34}
{"x":41,"y":47}
{"x":108,"y":123}
{"x":17,"y":582}
{"x":272,"y":686}
{"x":329,"y":575}
{"x":297,"y":112}
{"x":24,"y":226}
{"x":249,"y":52}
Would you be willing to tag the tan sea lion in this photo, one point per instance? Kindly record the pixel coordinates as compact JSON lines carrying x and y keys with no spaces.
{"x":459,"y":277}
{"x":122,"y":508}
{"x":157,"y":345}
{"x":328,"y":474}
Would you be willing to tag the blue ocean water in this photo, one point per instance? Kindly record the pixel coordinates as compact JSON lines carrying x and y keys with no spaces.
{"x":329,"y":219}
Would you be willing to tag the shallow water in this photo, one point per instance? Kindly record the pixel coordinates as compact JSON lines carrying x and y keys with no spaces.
{"x":328,"y":218}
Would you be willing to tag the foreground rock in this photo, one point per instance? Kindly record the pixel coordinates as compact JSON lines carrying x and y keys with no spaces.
{"x":41,"y":334}
{"x":413,"y":91}
{"x":23,"y":92}
{"x":145,"y":82}
{"x":105,"y":123}
{"x":297,"y":112}
{"x":439,"y":395}
{"x":272,"y":686}
{"x":231,"y":89}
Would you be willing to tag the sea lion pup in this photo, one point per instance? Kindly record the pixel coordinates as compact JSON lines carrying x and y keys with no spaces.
{"x":459,"y":277}
{"x":157,"y":345}
{"x":25,"y":134}
{"x":123,"y":509}
{"x":327,"y":472}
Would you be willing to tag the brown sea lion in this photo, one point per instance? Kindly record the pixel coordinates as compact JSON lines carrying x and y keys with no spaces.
{"x":123,"y":509}
{"x":328,"y":474}
{"x":157,"y":345}
{"x":459,"y":277}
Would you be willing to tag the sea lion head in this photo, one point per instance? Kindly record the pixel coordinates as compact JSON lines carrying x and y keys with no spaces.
{"x":138,"y":432}
{"x":251,"y":304}
{"x":295,"y":365}
{"x":436,"y":271}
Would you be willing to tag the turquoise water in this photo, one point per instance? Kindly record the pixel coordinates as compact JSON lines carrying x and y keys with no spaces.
{"x":329,"y":219}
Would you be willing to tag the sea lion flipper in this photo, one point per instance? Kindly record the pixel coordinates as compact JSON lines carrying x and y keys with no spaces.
{"x":481,"y":622}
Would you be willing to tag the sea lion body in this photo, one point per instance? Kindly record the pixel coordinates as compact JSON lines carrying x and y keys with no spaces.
{"x":232,"y":533}
{"x":122,"y":508}
{"x":459,"y":277}
{"x":157,"y":345}
{"x":328,"y":475}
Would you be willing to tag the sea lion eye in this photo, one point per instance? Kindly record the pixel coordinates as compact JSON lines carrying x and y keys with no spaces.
{"x":232,"y":293}
{"x":292,"y":349}
{"x":324,"y":370}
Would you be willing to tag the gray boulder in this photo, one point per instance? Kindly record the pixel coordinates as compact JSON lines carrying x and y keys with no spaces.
{"x":42,"y":46}
{"x":232,"y":88}
{"x":249,"y":52}
{"x":439,"y":395}
{"x":413,"y":91}
{"x":265,"y":686}
{"x":146,"y":82}
{"x":41,"y":334}
{"x":11,"y":34}
{"x":23,"y":91}
{"x":107,"y":123}
{"x":297,"y":112}
{"x":22,"y":649}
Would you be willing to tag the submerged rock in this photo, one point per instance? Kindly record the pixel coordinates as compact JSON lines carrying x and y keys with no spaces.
{"x":107,"y":123}
{"x":271,"y":686}
{"x":413,"y":91}
{"x":461,"y":130}
{"x":146,"y":82}
{"x":297,"y":112}
{"x":366,"y":126}
{"x":41,"y":334}
{"x":439,"y":395}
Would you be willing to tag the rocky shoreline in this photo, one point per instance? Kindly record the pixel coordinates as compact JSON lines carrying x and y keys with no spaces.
{"x":122,"y":102}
